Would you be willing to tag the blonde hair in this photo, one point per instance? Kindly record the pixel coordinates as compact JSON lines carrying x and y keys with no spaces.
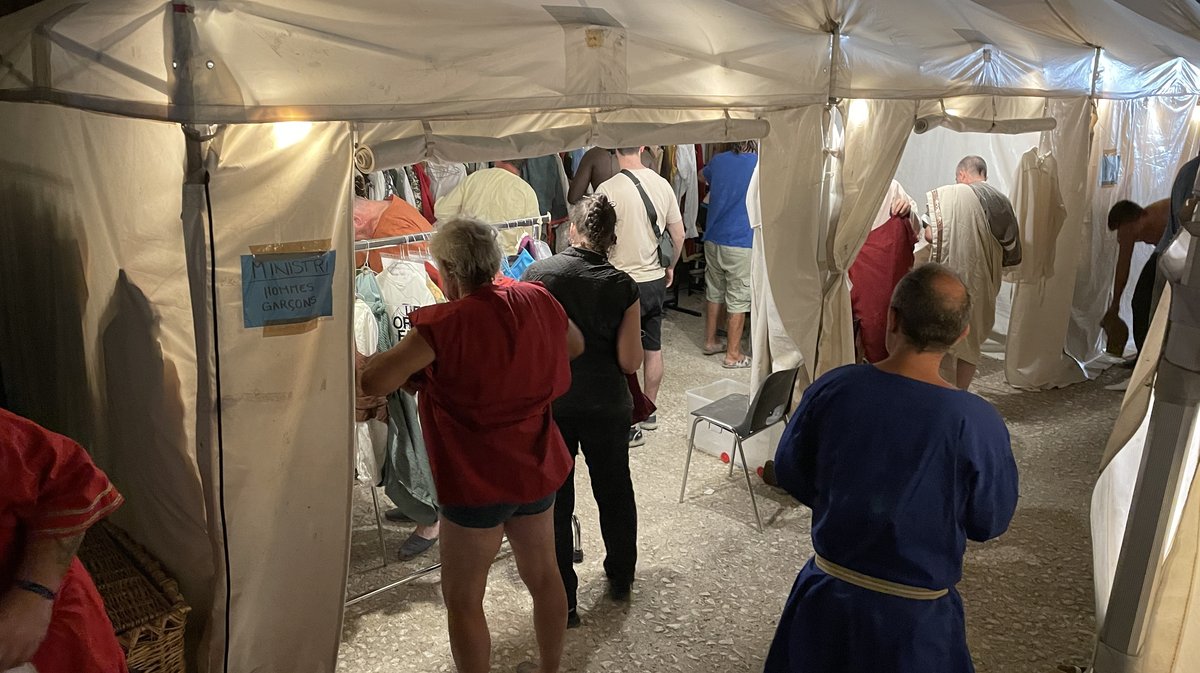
{"x":466,"y":249}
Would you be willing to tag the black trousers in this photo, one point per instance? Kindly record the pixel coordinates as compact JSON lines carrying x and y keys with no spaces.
{"x":1142,"y":302}
{"x":604,"y":443}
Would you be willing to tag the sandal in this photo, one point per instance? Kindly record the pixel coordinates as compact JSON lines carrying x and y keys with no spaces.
{"x":414,"y":546}
{"x":743,"y":363}
{"x":713,"y":351}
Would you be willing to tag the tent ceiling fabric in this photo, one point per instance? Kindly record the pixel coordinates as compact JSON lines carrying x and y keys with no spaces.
{"x":439,"y":59}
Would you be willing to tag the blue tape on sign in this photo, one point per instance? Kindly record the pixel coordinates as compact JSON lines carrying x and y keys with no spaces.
{"x":284,"y":289}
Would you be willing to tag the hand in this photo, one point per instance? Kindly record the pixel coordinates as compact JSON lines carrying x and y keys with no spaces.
{"x":24,"y":618}
{"x":901,"y":207}
{"x":670,"y":276}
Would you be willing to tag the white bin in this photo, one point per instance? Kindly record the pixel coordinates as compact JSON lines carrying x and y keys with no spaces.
{"x":717,"y":442}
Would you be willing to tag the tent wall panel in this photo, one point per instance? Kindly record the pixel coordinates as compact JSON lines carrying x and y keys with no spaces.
{"x":96,"y":335}
{"x":285,"y":402}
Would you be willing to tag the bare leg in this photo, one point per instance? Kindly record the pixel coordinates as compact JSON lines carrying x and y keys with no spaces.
{"x":964,"y":373}
{"x":467,"y":555}
{"x":653,"y":374}
{"x":737,"y":324}
{"x":711,"y":319}
{"x":532,"y":540}
{"x":429,"y":532}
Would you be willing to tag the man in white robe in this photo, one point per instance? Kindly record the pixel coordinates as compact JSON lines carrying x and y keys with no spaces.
{"x":971,"y":228}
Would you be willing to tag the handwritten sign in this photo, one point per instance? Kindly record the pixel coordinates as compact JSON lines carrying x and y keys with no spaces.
{"x":285,"y":289}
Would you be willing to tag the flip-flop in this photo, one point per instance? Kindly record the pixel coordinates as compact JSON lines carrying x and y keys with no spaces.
{"x":713,"y":351}
{"x":414,"y":546}
{"x":743,"y":363}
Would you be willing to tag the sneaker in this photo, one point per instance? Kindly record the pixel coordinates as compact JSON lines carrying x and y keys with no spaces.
{"x":573,"y":620}
{"x":650,"y":423}
{"x":636,"y":438}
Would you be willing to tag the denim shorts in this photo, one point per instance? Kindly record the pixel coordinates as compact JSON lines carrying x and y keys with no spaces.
{"x":490,"y":516}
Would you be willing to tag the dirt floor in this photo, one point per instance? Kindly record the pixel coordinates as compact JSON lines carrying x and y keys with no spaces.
{"x":710,"y":588}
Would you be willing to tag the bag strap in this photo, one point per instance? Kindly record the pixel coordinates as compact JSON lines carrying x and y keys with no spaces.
{"x":651,"y":211}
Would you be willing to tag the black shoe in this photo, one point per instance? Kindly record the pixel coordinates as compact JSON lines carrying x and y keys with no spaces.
{"x":573,"y":620}
{"x":768,"y":475}
{"x":395,"y":515}
{"x":620,"y":591}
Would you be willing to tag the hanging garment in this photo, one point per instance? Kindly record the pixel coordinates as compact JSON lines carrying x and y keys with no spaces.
{"x":686,"y":185}
{"x":1040,"y":211}
{"x":886,"y":256}
{"x":407,"y":478}
{"x":370,"y":413}
{"x":963,"y":241}
{"x":425,"y":191}
{"x":397,"y":217}
{"x":546,"y":176}
{"x":443,"y":178}
{"x":412,"y":186}
{"x":404,"y":286}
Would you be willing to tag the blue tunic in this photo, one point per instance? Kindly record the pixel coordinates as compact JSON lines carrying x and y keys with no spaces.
{"x":899,"y":475}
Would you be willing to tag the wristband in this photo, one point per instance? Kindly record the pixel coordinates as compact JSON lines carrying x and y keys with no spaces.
{"x":35,"y":588}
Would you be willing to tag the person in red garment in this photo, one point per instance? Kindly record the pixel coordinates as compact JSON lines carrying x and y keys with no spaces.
{"x":51,"y":615}
{"x":886,"y":256}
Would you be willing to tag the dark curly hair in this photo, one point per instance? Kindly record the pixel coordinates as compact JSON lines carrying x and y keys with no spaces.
{"x":596,"y":220}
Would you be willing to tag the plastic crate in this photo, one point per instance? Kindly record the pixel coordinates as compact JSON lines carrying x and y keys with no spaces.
{"x":717,"y":442}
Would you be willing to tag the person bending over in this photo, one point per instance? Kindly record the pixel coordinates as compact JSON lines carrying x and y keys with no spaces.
{"x":894,"y":500}
{"x":487,"y":365}
{"x":1134,"y":224}
{"x":595,"y":414}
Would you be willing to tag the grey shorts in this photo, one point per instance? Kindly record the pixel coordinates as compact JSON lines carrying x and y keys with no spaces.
{"x":727,"y":276}
{"x":490,"y":516}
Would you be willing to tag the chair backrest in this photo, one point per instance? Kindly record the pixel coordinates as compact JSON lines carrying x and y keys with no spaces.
{"x":771,"y":403}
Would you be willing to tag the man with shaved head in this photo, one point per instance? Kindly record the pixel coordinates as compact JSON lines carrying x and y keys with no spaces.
{"x":973,"y":230}
{"x":894,"y":500}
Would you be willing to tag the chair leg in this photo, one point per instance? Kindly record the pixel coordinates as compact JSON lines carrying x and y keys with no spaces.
{"x":688,"y":463}
{"x":749,"y":486}
{"x":733,"y":453}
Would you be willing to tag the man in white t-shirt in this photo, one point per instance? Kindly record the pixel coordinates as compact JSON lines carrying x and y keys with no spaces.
{"x":636,"y":253}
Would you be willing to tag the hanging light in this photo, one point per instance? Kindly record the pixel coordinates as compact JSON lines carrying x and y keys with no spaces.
{"x":290,"y":133}
{"x":860,"y":111}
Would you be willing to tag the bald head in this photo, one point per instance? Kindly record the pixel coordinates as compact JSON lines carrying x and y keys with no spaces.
{"x":932,"y":308}
{"x":971,"y":169}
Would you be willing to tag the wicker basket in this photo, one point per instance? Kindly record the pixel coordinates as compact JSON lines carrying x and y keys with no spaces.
{"x":145,"y":606}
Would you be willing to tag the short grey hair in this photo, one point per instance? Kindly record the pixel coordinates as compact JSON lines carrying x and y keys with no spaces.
{"x":974,"y":165}
{"x":466,"y":249}
{"x":933,"y":307}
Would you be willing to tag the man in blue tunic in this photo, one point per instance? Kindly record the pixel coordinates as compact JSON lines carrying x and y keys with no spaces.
{"x":900,"y":469}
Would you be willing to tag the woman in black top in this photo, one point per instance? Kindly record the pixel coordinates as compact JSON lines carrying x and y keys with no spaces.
{"x":594,"y":416}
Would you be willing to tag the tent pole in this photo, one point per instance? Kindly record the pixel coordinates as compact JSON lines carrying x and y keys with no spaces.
{"x":1177,"y":398}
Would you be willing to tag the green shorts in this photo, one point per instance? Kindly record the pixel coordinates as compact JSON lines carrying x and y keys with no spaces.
{"x":727,"y":276}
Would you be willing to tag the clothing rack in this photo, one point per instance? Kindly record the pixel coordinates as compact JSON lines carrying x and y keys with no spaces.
{"x":423,"y":237}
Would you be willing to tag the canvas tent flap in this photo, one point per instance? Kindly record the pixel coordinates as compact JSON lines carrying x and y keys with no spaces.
{"x":213,"y":61}
{"x":287,"y":461}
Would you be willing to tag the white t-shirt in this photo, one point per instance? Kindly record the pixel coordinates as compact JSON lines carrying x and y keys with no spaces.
{"x":636,"y":252}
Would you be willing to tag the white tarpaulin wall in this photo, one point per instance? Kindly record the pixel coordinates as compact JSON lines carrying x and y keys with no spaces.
{"x":1153,"y":137}
{"x":253,"y":474}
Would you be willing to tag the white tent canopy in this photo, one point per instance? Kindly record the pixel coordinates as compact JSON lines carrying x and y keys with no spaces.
{"x":234,"y":454}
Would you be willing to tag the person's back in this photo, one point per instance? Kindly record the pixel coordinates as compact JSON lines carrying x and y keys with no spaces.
{"x":500,"y":420}
{"x":636,"y":251}
{"x":728,"y":175}
{"x":900,"y":470}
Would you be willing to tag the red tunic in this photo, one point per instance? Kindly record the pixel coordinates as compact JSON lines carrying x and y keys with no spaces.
{"x":50,"y":488}
{"x":884,"y":259}
{"x":501,"y":359}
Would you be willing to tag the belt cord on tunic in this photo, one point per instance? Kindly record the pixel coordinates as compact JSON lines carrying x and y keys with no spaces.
{"x":877,"y":585}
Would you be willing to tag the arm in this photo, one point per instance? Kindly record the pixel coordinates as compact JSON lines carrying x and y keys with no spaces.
{"x":25,"y":615}
{"x":387,"y":372}
{"x":992,"y":488}
{"x":1121,"y":277}
{"x":629,"y":339}
{"x":796,"y":456}
{"x":675,"y":231}
{"x":583,"y":178}
{"x":575,"y":344}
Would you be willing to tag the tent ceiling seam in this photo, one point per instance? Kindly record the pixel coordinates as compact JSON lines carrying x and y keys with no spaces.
{"x":1058,"y":15}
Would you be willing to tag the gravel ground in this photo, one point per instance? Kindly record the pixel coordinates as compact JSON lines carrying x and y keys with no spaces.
{"x":710,"y":588}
